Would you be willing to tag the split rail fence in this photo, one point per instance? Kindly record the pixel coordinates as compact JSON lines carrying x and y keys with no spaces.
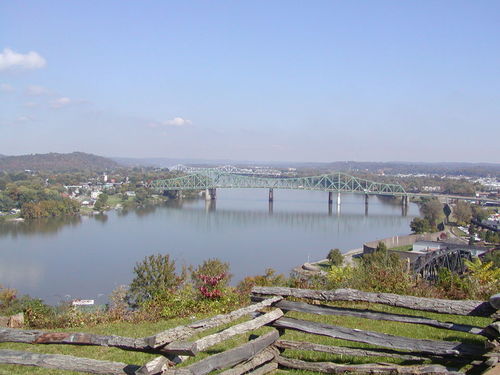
{"x":267,"y":352}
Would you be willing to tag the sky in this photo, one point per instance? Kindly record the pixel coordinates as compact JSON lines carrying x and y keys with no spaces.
{"x":259,"y":80}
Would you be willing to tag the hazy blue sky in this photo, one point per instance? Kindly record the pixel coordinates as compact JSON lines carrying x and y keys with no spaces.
{"x":252,"y":80}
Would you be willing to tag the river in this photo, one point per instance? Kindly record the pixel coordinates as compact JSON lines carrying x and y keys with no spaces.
{"x":87,"y":257}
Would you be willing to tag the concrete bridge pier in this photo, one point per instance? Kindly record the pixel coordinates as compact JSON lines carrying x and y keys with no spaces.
{"x":366,"y":204}
{"x":404,"y":205}
{"x":404,"y":200}
{"x":270,"y":207}
{"x":330,"y":197}
{"x":271,"y":195}
{"x":210,"y":205}
{"x":210,"y":194}
{"x":338,"y":198}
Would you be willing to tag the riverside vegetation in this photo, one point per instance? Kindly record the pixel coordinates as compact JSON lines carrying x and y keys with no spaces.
{"x":160,"y":297}
{"x":31,"y":195}
{"x":158,"y":291}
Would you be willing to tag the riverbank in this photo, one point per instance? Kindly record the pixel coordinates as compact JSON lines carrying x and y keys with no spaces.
{"x":322,"y":266}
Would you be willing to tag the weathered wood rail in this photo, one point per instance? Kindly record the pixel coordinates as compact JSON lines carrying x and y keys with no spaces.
{"x":267,"y":352}
{"x":458,"y":354}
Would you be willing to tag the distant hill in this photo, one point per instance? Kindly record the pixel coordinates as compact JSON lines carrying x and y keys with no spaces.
{"x":441,"y":168}
{"x":168,"y":162}
{"x":56,"y":162}
{"x":392,"y":167}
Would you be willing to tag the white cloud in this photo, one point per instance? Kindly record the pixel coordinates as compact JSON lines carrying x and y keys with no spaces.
{"x":30,"y":104}
{"x":175,"y":122}
{"x":60,"y":102}
{"x":5,"y":87}
{"x":37,"y":90}
{"x":10,"y":59}
{"x":24,"y":119}
{"x":178,"y":121}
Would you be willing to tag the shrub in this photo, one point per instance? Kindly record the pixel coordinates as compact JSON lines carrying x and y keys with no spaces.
{"x":314,"y":281}
{"x":7,"y":297}
{"x":118,"y":306}
{"x":335,"y":257}
{"x":210,"y":287}
{"x":212,"y":268}
{"x":38,"y":315}
{"x":493,"y":256}
{"x":453,"y":286}
{"x":154,"y":274}
{"x":188,"y":302}
{"x":270,"y":278}
{"x":340,"y":276}
{"x":382,"y":271}
{"x":485,"y":276}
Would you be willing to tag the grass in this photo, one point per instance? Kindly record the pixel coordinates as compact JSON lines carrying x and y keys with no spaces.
{"x":402,"y":248}
{"x":113,"y":200}
{"x":148,"y":328}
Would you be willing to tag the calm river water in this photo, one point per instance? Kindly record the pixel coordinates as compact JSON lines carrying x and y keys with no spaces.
{"x":66,"y":258}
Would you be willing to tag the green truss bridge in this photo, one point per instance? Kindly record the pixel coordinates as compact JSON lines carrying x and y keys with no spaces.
{"x":212,"y":179}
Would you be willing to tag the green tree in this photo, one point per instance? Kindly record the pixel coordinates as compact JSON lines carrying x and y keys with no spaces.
{"x":154,"y":274}
{"x":479,"y":213}
{"x":463,"y":212}
{"x":433,"y":211}
{"x":141,"y":196}
{"x":419,"y":225}
{"x":6,"y":203}
{"x":335,"y":257}
{"x":100,"y":204}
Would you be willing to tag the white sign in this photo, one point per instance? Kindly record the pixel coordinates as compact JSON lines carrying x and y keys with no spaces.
{"x":82,"y":302}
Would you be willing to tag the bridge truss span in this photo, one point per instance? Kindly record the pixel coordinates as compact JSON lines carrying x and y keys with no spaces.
{"x":336,"y":182}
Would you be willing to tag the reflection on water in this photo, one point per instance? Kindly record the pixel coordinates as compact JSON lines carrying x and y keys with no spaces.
{"x":87,"y":257}
{"x":46,"y":226}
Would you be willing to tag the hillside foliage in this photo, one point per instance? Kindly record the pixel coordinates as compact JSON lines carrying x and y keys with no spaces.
{"x":55,"y":162}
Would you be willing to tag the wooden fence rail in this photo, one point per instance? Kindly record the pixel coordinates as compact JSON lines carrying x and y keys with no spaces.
{"x":443,"y":306}
{"x":382,"y":344}
{"x":268,"y":351}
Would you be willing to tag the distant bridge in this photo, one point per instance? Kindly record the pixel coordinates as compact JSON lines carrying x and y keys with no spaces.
{"x":212,"y":179}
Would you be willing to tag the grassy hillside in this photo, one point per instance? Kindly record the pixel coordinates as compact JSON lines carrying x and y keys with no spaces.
{"x":149,"y":328}
{"x":56,"y":162}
